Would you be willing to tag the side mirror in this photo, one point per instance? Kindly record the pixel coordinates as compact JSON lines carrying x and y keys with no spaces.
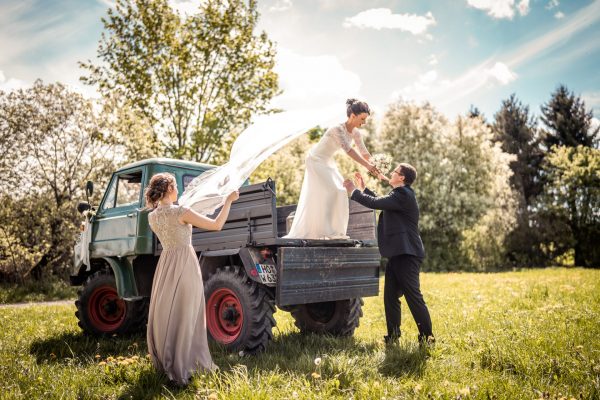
{"x":83,"y":206}
{"x":89,"y":188}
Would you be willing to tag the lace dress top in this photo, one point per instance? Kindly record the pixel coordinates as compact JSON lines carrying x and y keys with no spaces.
{"x":164,"y":221}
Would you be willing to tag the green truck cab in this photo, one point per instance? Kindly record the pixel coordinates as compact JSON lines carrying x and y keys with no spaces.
{"x":248,"y":268}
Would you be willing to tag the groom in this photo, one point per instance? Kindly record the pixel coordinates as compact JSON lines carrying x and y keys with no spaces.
{"x":399,"y":241}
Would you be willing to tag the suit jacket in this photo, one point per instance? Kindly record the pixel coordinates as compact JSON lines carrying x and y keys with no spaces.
{"x":398,"y":226}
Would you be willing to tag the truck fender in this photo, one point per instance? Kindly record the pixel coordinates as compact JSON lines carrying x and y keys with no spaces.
{"x":124,"y":277}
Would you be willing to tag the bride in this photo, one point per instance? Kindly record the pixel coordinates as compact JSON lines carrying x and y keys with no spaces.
{"x":322,"y":211}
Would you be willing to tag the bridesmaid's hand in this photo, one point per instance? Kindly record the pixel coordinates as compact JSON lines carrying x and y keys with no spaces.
{"x":233,"y":196}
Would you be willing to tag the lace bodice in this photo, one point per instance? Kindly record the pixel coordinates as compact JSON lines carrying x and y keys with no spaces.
{"x":164,"y":221}
{"x":338,"y":137}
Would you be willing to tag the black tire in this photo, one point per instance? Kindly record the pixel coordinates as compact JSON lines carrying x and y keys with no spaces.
{"x":338,"y":318}
{"x":239,"y":311}
{"x":100,"y":311}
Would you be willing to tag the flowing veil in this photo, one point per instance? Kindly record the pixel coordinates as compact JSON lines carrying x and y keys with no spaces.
{"x":267,"y":134}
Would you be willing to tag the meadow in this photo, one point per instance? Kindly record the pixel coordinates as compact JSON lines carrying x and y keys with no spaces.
{"x":531,"y":334}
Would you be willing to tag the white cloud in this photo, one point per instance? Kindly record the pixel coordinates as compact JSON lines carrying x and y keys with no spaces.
{"x":552,"y":4}
{"x":592,"y":100}
{"x":429,"y":87}
{"x":383,"y":18}
{"x":11,"y":84}
{"x":432,"y":60}
{"x":495,"y":8}
{"x":523,"y":7}
{"x":584,"y":18}
{"x":445,"y":92}
{"x":313,"y":81}
{"x":281,"y":5}
{"x":502,"y":73}
{"x":559,"y":15}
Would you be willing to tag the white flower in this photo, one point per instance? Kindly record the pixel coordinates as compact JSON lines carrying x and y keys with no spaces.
{"x":317,"y":360}
{"x":382,"y":162}
{"x":241,"y":353}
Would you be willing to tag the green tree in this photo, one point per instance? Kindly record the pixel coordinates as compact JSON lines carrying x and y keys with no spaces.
{"x":196,"y":79}
{"x":572,"y":196}
{"x":516,"y":131}
{"x":462,"y":184}
{"x":567,"y":121}
{"x":59,"y":144}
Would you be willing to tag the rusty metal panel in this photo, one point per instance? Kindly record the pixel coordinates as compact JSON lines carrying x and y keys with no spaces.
{"x":311,"y":275}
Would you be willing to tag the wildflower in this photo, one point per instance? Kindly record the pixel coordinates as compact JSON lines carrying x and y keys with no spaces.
{"x":417,"y":388}
{"x":315,"y":375}
{"x":317,"y":361}
{"x":295,"y":394}
{"x":213,"y":396}
{"x":52,"y":356}
{"x":102,"y":363}
{"x":241,"y":353}
{"x":97,"y":356}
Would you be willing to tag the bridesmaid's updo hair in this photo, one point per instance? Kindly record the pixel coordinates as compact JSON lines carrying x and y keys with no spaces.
{"x":157,"y":188}
{"x":356,"y":107}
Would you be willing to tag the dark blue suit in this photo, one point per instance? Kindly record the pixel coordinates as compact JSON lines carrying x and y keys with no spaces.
{"x":399,"y":241}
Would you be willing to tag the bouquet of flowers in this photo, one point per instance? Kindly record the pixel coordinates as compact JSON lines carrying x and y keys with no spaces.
{"x":382,"y":162}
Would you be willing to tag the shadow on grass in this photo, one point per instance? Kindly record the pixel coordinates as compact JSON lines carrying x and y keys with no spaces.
{"x":84,"y":348}
{"x":151,"y":384}
{"x":401,"y":361}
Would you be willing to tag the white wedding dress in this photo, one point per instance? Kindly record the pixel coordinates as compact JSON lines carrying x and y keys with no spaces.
{"x":322,"y":211}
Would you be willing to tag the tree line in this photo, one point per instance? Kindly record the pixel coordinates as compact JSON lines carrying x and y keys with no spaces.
{"x":517,"y":191}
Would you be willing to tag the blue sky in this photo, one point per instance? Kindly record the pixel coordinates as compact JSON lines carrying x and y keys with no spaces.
{"x":453,"y":54}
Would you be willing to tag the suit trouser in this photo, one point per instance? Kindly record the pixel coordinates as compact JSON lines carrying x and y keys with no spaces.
{"x":402,"y":279}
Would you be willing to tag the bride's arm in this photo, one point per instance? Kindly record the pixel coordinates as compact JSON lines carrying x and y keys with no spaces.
{"x":360,"y":159}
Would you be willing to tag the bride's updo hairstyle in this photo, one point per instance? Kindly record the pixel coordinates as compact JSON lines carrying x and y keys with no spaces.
{"x":356,"y":107}
{"x":157,"y":188}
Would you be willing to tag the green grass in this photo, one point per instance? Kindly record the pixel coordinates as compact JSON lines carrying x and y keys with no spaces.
{"x":517,"y":335}
{"x":32,"y":291}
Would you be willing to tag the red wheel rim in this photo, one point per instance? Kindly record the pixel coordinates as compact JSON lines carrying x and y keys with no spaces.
{"x":225,"y":316}
{"x":106,"y":309}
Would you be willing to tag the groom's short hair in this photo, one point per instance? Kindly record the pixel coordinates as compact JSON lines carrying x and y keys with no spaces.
{"x":409,"y":172}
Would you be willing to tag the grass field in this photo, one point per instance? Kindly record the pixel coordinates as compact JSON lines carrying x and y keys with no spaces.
{"x":46,"y":290}
{"x":517,"y":335}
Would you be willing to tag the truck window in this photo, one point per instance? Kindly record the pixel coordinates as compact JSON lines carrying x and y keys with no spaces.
{"x":187,"y":179}
{"x":129,"y":187}
{"x":124,"y":190}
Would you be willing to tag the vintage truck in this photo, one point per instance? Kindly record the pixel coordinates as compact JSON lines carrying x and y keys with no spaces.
{"x":247,"y":267}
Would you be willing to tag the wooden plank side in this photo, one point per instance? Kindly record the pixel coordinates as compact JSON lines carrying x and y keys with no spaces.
{"x":310,"y":275}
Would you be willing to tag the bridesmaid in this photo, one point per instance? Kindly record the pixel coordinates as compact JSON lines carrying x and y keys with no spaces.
{"x":177,"y":337}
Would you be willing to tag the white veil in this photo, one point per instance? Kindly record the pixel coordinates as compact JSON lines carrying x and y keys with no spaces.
{"x":266,"y":135}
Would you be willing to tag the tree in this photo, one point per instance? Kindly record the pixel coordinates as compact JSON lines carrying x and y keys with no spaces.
{"x":58,"y":144}
{"x":196,"y":79}
{"x":572,"y":195}
{"x":567,"y":121}
{"x":462,"y":184}
{"x":515,"y":129}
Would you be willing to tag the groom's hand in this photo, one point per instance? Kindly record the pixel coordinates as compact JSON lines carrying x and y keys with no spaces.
{"x":360,"y":182}
{"x":349,"y":185}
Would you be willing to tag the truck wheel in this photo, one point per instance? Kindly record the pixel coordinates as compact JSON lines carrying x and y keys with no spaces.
{"x":239,"y":311}
{"x":338,"y":318}
{"x":101,"y":311}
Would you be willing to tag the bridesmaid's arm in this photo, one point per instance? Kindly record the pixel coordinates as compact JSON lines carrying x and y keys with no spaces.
{"x":202,"y":222}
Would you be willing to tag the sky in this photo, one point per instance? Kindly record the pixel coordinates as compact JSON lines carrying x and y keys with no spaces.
{"x":452,"y":53}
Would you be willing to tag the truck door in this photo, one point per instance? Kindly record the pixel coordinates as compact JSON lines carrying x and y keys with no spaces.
{"x":115,"y":227}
